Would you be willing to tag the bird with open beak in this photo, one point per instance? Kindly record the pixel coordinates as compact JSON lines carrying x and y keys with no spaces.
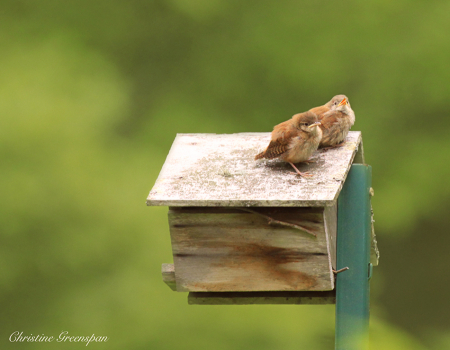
{"x":294,"y":140}
{"x":335,"y":122}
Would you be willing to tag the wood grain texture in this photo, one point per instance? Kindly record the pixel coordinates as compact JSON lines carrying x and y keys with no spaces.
{"x":227,"y":249}
{"x":330,"y":215}
{"x":262,"y":298}
{"x":359,"y":156}
{"x":220,"y":170}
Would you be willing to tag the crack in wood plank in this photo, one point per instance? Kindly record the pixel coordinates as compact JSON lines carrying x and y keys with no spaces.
{"x":283,"y":223}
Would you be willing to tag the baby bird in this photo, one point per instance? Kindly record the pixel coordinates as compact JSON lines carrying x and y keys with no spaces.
{"x":332,"y":104}
{"x":294,"y":140}
{"x":336,"y":121}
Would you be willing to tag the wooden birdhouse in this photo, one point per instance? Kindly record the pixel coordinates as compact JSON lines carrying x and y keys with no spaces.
{"x":240,"y":225}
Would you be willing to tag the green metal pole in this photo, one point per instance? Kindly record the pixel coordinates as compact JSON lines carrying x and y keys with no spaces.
{"x":353,"y":251}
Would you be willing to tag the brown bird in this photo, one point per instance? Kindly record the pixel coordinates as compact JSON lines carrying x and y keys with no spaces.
{"x":336,"y":118}
{"x":332,"y":104}
{"x":294,"y":140}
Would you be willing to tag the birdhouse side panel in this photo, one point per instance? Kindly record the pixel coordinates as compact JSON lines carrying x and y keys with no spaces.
{"x":231,"y":249}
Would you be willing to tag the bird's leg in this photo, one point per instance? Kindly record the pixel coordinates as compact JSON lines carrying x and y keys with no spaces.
{"x":305,"y":174}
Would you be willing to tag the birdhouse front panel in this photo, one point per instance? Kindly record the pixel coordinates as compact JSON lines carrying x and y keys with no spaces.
{"x":233,"y":249}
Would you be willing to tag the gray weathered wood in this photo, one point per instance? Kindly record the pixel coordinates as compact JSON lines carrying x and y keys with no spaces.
{"x":262,"y":298}
{"x":359,"y":156}
{"x":330,"y":214}
{"x":220,"y":170}
{"x":227,"y":249}
{"x":168,"y":275}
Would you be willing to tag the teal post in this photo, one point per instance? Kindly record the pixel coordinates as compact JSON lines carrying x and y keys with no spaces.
{"x":353,"y":251}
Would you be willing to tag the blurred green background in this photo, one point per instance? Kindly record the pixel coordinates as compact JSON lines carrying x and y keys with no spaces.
{"x":92,"y":94}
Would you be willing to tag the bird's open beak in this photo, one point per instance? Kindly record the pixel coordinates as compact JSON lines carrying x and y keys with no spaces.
{"x":343,"y":102}
{"x":313,"y":125}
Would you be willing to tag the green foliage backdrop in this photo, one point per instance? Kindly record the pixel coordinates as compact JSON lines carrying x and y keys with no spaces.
{"x":91,"y":97}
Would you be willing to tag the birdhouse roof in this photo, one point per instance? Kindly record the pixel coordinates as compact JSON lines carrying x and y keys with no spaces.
{"x":220,"y":170}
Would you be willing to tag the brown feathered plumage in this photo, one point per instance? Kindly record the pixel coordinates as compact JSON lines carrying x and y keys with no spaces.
{"x":294,"y":140}
{"x":332,"y":104}
{"x":336,"y":117}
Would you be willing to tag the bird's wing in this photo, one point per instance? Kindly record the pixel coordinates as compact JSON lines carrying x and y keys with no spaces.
{"x":274,"y":150}
{"x":329,"y":119}
{"x":281,"y":136}
{"x":319,"y":110}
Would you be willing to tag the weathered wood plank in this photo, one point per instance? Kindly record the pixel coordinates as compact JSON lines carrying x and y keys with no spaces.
{"x":330,"y":214}
{"x":231,"y":250}
{"x":262,"y":298}
{"x":168,"y":275}
{"x":359,"y":156}
{"x":220,"y":170}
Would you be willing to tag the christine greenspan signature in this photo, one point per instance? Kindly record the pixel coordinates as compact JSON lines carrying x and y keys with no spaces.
{"x":63,"y":337}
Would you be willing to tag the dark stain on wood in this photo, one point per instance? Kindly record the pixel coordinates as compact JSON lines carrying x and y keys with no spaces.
{"x":269,"y":261}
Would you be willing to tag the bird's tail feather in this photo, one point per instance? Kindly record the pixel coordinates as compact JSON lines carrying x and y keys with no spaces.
{"x":260,"y":155}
